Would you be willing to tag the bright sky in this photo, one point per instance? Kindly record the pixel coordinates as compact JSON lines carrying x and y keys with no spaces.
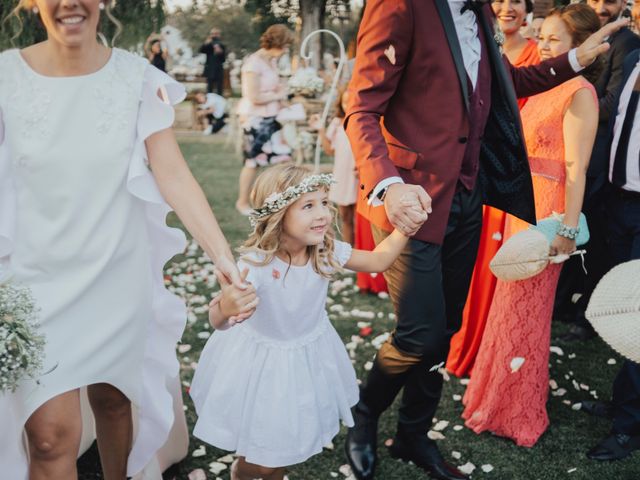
{"x":172,"y":4}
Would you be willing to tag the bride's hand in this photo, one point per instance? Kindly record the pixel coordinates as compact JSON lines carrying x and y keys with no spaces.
{"x":228,"y":268}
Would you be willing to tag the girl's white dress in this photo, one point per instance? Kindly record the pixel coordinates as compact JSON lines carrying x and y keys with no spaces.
{"x":82,"y":223}
{"x":274,"y":388}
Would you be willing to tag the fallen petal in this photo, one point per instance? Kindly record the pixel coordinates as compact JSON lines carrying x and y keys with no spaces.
{"x":217,"y":467}
{"x":345,"y":470}
{"x":457,"y":428}
{"x":436,"y":367}
{"x":487,"y":468}
{"x":199,"y":452}
{"x":197,"y":474}
{"x":467,"y":468}
{"x":441,"y":425}
{"x":576,"y":406}
{"x":456,"y":455}
{"x":516,"y":363}
{"x":433,"y":435}
{"x":556,"y":350}
{"x":611,"y":361}
{"x":226,"y":459}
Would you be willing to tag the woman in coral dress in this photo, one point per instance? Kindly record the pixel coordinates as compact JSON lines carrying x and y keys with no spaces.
{"x":465,"y":344}
{"x":559,"y":128}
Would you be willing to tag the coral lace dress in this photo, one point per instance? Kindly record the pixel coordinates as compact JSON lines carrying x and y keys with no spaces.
{"x":513,"y":403}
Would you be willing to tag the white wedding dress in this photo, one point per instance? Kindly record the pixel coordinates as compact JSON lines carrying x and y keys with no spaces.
{"x":82,"y":223}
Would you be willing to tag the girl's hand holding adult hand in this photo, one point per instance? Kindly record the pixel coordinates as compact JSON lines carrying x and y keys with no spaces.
{"x":235,"y":304}
{"x":227,"y":267}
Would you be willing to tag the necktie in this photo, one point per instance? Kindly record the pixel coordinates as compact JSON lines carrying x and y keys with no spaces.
{"x":619,"y":173}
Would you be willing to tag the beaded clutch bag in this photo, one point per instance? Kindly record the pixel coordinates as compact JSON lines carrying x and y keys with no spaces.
{"x":549,"y":227}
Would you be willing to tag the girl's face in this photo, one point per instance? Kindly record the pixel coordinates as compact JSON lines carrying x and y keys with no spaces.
{"x":307,"y":220}
{"x":70,"y":23}
{"x":510,"y":14}
{"x":554,"y":38}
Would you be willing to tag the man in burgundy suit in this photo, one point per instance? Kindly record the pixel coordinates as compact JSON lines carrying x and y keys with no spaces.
{"x":433,"y":118}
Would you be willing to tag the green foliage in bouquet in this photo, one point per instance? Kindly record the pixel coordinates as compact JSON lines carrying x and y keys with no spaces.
{"x":21,"y":346}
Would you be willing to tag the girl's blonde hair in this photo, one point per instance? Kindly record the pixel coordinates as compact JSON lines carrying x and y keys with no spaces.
{"x":264,"y":240}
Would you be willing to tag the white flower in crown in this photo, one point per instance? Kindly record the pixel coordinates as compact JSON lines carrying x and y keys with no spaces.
{"x":279,"y":200}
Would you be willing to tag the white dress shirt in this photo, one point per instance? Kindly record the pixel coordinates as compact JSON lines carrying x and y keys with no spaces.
{"x":633,"y":151}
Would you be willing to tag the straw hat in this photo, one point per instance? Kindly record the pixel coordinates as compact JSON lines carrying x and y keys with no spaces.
{"x":522,"y":256}
{"x":614,"y":309}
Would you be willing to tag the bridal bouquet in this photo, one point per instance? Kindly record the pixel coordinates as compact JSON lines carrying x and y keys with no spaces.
{"x":305,"y":82}
{"x":21,"y":346}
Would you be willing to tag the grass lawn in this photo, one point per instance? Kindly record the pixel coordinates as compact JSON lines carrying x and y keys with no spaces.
{"x":558,"y":455}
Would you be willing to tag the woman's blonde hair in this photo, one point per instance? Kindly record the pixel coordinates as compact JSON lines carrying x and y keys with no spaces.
{"x":276,"y":36}
{"x":264,"y":240}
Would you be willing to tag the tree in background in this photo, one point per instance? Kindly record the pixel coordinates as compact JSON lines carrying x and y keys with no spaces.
{"x":138,"y":17}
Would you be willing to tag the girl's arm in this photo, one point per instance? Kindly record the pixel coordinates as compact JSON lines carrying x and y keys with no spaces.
{"x":183,"y":193}
{"x":232,"y":305}
{"x":326,"y":143}
{"x":579,"y":130}
{"x":381,"y":258}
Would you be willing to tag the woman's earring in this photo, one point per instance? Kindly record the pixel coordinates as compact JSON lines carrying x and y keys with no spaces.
{"x":101,"y":5}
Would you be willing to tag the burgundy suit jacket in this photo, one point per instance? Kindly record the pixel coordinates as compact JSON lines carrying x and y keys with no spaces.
{"x":408,"y":115}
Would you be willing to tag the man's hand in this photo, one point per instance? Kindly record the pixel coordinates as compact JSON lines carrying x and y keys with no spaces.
{"x":596,"y":44}
{"x":407,"y":207}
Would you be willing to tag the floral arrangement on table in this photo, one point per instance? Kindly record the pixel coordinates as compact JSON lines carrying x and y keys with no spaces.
{"x":305,"y":82}
{"x":21,"y":346}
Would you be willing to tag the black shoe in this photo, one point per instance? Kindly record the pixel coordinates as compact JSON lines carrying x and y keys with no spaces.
{"x":597,"y":409}
{"x":423,"y":451}
{"x":615,"y":447}
{"x":578,"y":333}
{"x":360,"y":446}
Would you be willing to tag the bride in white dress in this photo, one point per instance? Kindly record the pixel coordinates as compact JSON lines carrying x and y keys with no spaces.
{"x":88,"y":168}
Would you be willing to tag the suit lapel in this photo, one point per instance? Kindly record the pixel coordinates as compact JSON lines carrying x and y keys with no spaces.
{"x":454,"y":46}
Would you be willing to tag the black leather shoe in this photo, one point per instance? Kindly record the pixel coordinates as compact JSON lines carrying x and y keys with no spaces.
{"x":423,"y":451}
{"x":597,"y":409}
{"x":615,"y":447}
{"x":360,"y":446}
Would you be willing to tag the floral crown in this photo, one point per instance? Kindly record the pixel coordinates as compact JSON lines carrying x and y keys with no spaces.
{"x":279,"y":200}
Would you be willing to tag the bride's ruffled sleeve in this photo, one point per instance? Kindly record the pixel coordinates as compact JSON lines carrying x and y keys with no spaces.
{"x":158,"y":96}
{"x":7,"y":200}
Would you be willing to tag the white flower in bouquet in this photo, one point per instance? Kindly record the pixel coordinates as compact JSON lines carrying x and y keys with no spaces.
{"x":21,"y":346}
{"x":305,"y":82}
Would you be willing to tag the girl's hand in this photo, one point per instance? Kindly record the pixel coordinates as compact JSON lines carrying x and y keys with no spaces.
{"x":562,"y":245}
{"x":234,"y":304}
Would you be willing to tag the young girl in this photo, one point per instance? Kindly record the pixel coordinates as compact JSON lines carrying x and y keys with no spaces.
{"x":345,"y":190}
{"x":274,"y":388}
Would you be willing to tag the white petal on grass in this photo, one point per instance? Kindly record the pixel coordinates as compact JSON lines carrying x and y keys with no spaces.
{"x":383,"y":295}
{"x":445,"y":374}
{"x":433,"y":435}
{"x":368,"y":366}
{"x":516,"y":363}
{"x":197,"y":474}
{"x":333,"y":474}
{"x":204,"y":335}
{"x":571,"y":356}
{"x":457,"y":398}
{"x":611,"y":361}
{"x":553,"y":384}
{"x":345,"y":470}
{"x":559,"y":392}
{"x":184,"y":348}
{"x":464,"y":381}
{"x":457,"y":428}
{"x":217,"y":467}
{"x":441,"y":425}
{"x":329,"y":446}
{"x":487,"y":468}
{"x":556,"y":350}
{"x":571,"y":470}
{"x":226,"y":459}
{"x":456,"y":455}
{"x":467,"y":468}
{"x":201,"y":451}
{"x":576,"y":406}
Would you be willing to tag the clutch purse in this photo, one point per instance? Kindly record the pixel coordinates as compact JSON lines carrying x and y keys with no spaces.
{"x":549,"y":227}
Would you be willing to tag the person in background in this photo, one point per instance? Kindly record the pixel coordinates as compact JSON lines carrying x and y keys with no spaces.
{"x":607,"y":84}
{"x":635,"y":16}
{"x":536,"y":23}
{"x":559,"y":128}
{"x":216,"y":53}
{"x":511,"y":15}
{"x":344,"y":192}
{"x":156,"y":54}
{"x":210,"y":111}
{"x":624,"y":244}
{"x":263,"y":95}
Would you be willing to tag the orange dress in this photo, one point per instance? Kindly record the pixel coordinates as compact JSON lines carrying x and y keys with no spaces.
{"x":501,"y":398}
{"x":465,"y":343}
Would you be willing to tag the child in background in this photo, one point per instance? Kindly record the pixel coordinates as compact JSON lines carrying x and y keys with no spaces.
{"x":274,"y":388}
{"x":344,"y":192}
{"x":210,"y":111}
